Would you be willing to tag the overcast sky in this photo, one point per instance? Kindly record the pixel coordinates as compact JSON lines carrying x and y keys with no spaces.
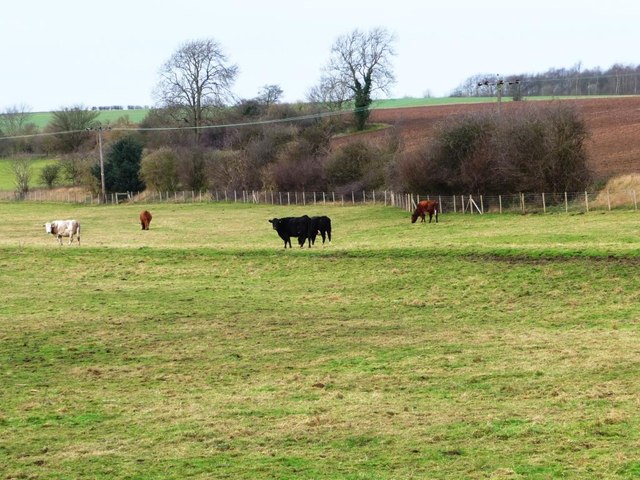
{"x":72,"y":52}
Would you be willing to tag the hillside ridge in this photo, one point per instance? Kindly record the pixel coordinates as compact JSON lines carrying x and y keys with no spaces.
{"x":613,"y":123}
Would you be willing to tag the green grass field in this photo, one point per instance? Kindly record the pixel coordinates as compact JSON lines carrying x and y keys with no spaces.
{"x":481,"y":347}
{"x":106,"y":117}
{"x":8,"y":178}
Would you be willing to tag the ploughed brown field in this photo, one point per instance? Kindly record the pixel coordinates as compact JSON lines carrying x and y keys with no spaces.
{"x":613,"y":123}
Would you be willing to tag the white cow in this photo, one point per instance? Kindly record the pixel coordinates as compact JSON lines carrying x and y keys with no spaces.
{"x":64,"y":228}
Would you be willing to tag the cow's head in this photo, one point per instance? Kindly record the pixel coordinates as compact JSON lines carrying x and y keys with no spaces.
{"x":414,"y":216}
{"x":275,"y":222}
{"x":47,"y":227}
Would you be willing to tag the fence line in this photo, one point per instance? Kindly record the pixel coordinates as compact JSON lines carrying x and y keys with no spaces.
{"x":471,"y":204}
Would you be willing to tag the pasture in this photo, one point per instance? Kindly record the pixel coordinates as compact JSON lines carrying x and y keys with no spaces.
{"x":479,"y":347}
{"x":8,"y":177}
{"x":42,"y":119}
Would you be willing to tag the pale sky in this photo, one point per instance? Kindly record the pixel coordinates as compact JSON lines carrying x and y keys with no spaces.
{"x":72,"y":52}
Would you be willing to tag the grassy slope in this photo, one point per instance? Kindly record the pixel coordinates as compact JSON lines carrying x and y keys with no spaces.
{"x":495,"y":346}
{"x":41,"y":119}
{"x":7,"y":176}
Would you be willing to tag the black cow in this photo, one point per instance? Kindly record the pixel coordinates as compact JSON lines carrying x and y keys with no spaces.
{"x":293,"y":227}
{"x":320,"y":225}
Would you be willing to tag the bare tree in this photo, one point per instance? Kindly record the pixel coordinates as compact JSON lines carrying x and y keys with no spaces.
{"x":330,"y":92}
{"x":196,"y":78}
{"x":14,"y":121}
{"x":23,"y":173}
{"x":361,"y":61}
{"x":270,"y":94}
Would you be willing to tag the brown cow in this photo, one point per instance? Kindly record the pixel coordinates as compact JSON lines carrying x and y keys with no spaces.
{"x":426,"y":206}
{"x":145,"y":219}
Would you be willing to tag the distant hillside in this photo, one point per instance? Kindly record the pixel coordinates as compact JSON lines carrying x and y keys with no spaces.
{"x":42,"y":119}
{"x":613,"y":123}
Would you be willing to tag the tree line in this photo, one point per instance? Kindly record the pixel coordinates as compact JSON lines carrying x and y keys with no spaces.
{"x":616,"y":80}
{"x":528,"y":147}
{"x":201,"y":137}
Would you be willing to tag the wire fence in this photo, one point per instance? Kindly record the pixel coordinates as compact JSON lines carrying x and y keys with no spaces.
{"x":465,"y":204}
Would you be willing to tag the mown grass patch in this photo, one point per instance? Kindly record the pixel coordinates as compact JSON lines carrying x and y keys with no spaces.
{"x":480,"y":347}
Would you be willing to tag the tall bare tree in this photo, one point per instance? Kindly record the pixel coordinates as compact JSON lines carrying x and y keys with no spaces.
{"x":14,"y":121}
{"x":361,"y":61}
{"x":197,"y":78}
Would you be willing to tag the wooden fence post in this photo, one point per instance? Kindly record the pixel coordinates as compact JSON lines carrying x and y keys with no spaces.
{"x":586,"y":200}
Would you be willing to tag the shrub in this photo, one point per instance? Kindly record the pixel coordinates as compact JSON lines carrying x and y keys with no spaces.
{"x":122,"y":166}
{"x":49,"y":175}
{"x":159,"y":170}
{"x":296,"y":169}
{"x":359,"y":165}
{"x":76,"y":168}
{"x":192,"y":169}
{"x":347,"y":165}
{"x":227,"y":170}
{"x":526,"y":149}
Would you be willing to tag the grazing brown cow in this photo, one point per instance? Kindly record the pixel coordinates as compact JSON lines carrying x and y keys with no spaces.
{"x":145,"y":219}
{"x":426,"y":206}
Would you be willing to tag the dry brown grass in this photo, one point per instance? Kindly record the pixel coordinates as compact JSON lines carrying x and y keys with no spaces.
{"x":622,"y":191}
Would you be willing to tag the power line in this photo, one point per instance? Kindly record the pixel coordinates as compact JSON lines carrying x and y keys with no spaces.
{"x":202,"y":127}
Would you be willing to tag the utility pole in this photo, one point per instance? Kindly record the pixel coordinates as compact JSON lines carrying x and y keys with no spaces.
{"x":499,"y":84}
{"x":99,"y":130}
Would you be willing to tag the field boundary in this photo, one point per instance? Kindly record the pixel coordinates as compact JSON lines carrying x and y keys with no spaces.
{"x":523,"y":203}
